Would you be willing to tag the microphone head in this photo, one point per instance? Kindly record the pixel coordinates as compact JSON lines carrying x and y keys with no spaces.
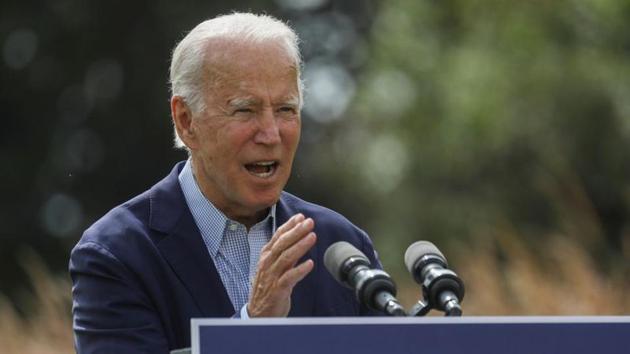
{"x":419,"y":249}
{"x":336,"y":256}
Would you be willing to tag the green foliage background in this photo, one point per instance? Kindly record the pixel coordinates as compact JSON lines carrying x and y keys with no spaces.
{"x":471,"y":124}
{"x":476,"y":116}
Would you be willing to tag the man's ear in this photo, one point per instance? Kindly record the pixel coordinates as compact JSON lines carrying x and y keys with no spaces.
{"x":182,"y":118}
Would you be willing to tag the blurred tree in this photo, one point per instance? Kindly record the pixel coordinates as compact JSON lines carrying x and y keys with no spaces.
{"x":474,"y":114}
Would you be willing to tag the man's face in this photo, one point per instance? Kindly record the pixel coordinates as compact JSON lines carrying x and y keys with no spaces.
{"x":247,"y":137}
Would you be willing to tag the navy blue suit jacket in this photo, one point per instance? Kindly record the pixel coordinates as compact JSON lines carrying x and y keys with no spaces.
{"x":142,"y":272}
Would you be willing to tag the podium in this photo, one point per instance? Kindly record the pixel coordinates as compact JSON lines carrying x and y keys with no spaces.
{"x":387,"y":335}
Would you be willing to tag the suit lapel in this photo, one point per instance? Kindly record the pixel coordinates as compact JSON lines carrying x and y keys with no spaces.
{"x":303,"y":296}
{"x":184,"y":248}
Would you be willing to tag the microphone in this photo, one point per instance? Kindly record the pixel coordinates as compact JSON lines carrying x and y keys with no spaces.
{"x":441,"y":287}
{"x":373,"y":287}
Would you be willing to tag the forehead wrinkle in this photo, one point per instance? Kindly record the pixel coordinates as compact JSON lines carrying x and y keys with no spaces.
{"x":225,"y":65}
{"x":222,"y":53}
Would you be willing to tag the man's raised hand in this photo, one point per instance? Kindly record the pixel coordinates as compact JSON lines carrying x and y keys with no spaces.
{"x":278,"y":271}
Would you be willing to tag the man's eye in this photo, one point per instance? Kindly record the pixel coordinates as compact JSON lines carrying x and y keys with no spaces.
{"x":243,"y":110}
{"x":287,"y":109}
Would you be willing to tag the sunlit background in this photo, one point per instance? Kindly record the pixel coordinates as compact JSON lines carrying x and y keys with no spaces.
{"x":498,"y":130}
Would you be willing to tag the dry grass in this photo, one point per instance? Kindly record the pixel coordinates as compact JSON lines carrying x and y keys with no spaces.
{"x":48,"y":327}
{"x":564,"y":281}
{"x":503,"y":277}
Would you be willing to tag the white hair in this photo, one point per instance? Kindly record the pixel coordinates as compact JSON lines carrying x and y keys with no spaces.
{"x":188,"y":60}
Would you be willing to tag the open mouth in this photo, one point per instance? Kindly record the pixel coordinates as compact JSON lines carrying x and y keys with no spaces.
{"x":262,"y":169}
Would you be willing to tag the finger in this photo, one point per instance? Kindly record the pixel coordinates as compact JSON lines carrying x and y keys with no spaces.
{"x":272,"y":251}
{"x":294,"y":275}
{"x":292,"y":236}
{"x":289,"y":257}
{"x":294,"y":220}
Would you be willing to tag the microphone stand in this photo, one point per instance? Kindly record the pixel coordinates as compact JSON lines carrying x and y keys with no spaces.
{"x":421,"y":308}
{"x":452,"y":308}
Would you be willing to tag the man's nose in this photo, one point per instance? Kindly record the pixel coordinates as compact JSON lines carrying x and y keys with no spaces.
{"x":268,"y":130}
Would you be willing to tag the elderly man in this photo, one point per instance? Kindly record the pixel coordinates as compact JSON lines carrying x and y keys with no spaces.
{"x":217,"y":237}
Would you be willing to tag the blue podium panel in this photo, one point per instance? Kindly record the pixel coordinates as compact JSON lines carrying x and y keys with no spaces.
{"x":367,"y":335}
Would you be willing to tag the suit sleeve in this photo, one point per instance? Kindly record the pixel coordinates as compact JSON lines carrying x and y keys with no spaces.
{"x":368,"y":249}
{"x":111,"y":313}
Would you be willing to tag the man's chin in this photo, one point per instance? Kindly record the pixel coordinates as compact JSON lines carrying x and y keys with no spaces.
{"x":265,"y":203}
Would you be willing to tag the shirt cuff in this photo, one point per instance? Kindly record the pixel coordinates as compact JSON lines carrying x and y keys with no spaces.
{"x":244,"y":314}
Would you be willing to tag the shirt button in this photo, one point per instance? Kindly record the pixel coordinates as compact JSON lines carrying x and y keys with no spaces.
{"x":233,"y":226}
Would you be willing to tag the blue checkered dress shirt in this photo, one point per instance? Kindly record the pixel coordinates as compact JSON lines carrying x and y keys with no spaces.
{"x":233,"y":249}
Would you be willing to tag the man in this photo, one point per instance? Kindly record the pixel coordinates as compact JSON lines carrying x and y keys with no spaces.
{"x":217,"y":237}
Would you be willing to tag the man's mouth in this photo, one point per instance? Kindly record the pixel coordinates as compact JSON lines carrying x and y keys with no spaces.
{"x":262,"y":169}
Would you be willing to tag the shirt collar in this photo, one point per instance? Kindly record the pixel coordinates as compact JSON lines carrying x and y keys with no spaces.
{"x":210,"y":220}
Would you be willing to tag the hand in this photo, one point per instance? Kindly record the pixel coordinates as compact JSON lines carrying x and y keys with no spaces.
{"x":277,"y":272}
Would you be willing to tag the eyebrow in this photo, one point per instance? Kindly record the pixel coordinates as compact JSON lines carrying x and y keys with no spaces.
{"x":242,"y":102}
{"x":292,"y":100}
